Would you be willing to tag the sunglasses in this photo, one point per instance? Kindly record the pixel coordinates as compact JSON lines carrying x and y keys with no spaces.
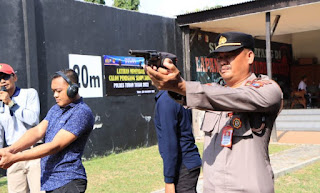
{"x":5,"y":76}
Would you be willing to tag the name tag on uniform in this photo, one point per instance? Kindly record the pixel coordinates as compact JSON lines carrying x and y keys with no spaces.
{"x":226,"y":140}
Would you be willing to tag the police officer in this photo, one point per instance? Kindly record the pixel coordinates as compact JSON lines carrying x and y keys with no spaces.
{"x":238,"y":120}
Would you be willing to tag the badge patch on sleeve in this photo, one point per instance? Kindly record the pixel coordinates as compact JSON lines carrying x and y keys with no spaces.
{"x":257,"y":83}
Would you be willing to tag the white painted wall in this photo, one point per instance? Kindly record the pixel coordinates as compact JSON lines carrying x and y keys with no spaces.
{"x":287,"y":39}
{"x":306,"y":45}
{"x":197,"y":119}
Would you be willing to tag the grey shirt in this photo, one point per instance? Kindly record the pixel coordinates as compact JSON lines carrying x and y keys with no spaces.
{"x":251,"y":110}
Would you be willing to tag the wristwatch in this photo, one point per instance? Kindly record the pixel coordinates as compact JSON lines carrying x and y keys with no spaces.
{"x":11,"y":104}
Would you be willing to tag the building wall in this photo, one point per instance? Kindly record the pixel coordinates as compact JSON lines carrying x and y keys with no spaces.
{"x":12,"y":39}
{"x":287,"y":38}
{"x":38,"y":35}
{"x":306,"y":45}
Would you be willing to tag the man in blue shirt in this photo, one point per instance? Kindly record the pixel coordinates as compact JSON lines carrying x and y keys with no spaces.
{"x":65,"y":130}
{"x":181,"y":159}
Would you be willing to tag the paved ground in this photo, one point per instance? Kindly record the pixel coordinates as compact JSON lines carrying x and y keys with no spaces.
{"x":294,"y":159}
{"x":306,"y":152}
{"x":300,"y":137}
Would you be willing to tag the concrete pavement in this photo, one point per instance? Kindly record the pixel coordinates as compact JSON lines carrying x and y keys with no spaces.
{"x":293,"y":159}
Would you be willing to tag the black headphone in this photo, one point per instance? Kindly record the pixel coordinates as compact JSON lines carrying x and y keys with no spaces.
{"x":73,"y":88}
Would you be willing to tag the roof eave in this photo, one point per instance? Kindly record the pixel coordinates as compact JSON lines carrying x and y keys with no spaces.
{"x":238,"y":10}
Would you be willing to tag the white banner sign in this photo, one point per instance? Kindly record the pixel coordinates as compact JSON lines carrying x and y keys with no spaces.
{"x":89,"y":70}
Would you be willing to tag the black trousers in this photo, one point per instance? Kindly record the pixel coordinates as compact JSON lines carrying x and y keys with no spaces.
{"x":75,"y":186}
{"x":187,"y":180}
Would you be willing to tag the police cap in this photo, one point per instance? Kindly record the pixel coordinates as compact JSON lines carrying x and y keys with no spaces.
{"x":230,"y":41}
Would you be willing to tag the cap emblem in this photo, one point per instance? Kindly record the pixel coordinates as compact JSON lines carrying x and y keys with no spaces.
{"x":0,"y":66}
{"x":222,"y":40}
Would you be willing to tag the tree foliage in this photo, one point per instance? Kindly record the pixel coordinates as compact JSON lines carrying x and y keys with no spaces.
{"x":127,"y":4}
{"x":96,"y":1}
{"x":123,"y":4}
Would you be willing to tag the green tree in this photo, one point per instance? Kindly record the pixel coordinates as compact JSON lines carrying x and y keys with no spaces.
{"x":96,"y":1}
{"x":127,"y":4}
{"x":217,"y":6}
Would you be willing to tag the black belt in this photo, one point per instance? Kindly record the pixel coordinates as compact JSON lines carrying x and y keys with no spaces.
{"x":207,"y":133}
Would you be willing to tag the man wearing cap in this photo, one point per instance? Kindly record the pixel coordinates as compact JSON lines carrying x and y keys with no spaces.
{"x":19,"y":111}
{"x":238,"y":120}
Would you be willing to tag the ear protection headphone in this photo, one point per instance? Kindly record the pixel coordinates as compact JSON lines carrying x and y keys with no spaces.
{"x":73,"y":88}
